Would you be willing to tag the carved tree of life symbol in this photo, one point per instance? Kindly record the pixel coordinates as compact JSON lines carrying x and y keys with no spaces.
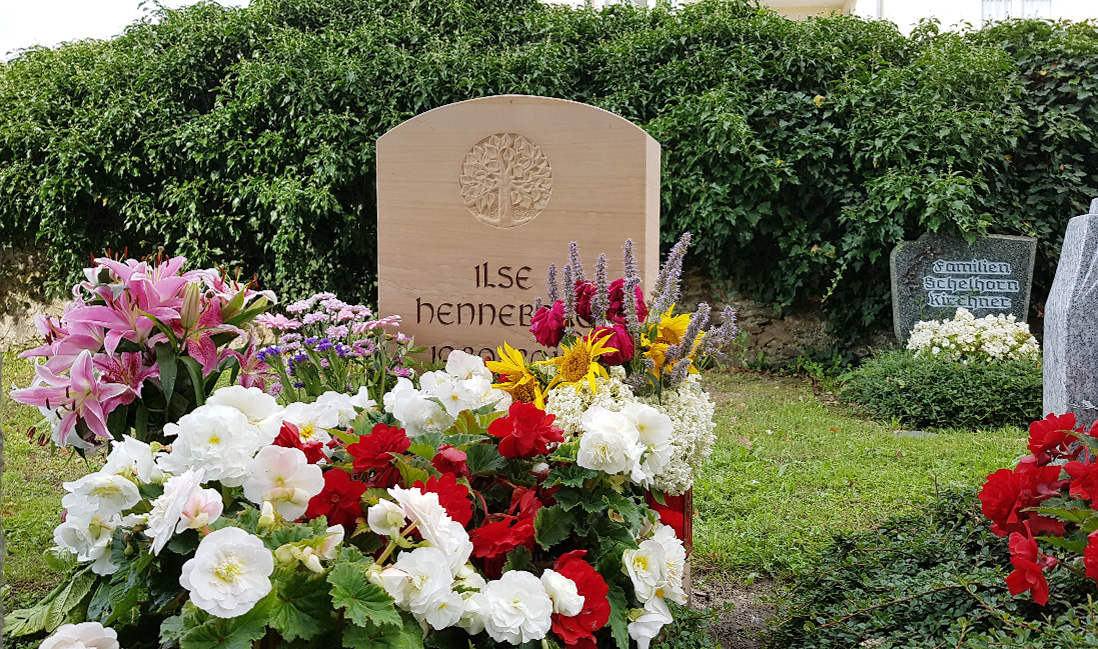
{"x":506,"y":180}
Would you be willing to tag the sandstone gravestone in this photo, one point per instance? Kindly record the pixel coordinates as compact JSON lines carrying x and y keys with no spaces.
{"x":1071,"y":339}
{"x":476,"y":199}
{"x":933,"y":276}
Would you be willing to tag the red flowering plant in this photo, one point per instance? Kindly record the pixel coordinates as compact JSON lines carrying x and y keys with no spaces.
{"x":1047,"y":504}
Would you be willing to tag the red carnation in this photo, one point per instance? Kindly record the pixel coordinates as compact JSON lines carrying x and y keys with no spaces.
{"x":453,"y":497}
{"x":1029,"y":565}
{"x":618,"y":338}
{"x":1053,"y":434}
{"x":376,"y":449}
{"x":289,"y":436}
{"x":616,"y":312}
{"x":1006,"y":493}
{"x":584,"y":292}
{"x":526,"y":431}
{"x":547,"y":325}
{"x":451,"y":460}
{"x":1090,"y":555}
{"x":578,"y":631}
{"x":498,"y":537}
{"x":340,"y":500}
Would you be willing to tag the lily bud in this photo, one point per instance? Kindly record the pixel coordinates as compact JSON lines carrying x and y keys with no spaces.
{"x":188,"y":314}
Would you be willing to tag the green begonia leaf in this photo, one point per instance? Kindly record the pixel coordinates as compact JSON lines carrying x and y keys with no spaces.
{"x":551,"y":526}
{"x":302,"y":605}
{"x":364,"y":603}
{"x":407,"y":635}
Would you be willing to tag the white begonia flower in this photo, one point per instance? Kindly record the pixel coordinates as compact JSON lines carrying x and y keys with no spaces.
{"x":649,"y":623}
{"x":202,"y":508}
{"x":283,"y":477}
{"x":445,"y":612}
{"x":472,"y":617}
{"x":463,"y":365}
{"x":418,"y":580}
{"x":674,"y":555}
{"x":435,"y":525}
{"x":86,"y":635}
{"x":386,"y":518}
{"x":90,"y":539}
{"x":133,"y":457}
{"x":420,"y":414}
{"x":654,"y":430}
{"x":338,"y":406}
{"x":467,"y":577}
{"x":647,"y":568}
{"x":311,"y":421}
{"x":216,"y":438}
{"x":403,"y":387}
{"x":229,"y":572}
{"x":516,"y":608}
{"x":105,"y":493}
{"x":362,"y":399}
{"x":609,"y":443}
{"x":330,"y":549}
{"x":266,"y":515}
{"x":166,"y":516}
{"x":260,"y":408}
{"x":563,"y":592}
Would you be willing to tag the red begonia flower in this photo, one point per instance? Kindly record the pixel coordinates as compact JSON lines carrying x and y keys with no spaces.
{"x":451,"y":460}
{"x":577,"y":631}
{"x":1029,"y":565}
{"x":1006,"y":493}
{"x":1090,"y":556}
{"x":547,"y":325}
{"x":453,"y":497}
{"x":498,"y":537}
{"x":1084,"y":480}
{"x":526,"y":431}
{"x":376,"y":449}
{"x":289,"y":436}
{"x":1052,"y":435}
{"x":340,"y":500}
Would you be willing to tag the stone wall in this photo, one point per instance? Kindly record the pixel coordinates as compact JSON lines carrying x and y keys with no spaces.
{"x":22,"y":274}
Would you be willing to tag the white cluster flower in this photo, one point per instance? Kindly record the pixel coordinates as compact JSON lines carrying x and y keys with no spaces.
{"x":967,"y":338}
{"x":465,"y":384}
{"x":692,"y":436}
{"x":569,"y":403}
{"x":635,"y":441}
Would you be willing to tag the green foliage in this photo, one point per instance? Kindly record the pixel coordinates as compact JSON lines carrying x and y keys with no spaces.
{"x":690,"y":630}
{"x":925,"y":391}
{"x":800,"y":151}
{"x":930,"y":579}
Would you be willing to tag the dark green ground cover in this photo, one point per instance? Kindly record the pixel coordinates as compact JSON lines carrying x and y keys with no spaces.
{"x":799,"y":151}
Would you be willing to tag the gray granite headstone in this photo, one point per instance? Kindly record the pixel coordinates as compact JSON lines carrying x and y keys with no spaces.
{"x":1071,"y":316}
{"x":936,"y":274}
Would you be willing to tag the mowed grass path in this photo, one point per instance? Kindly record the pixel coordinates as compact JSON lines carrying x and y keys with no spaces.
{"x":787,"y":471}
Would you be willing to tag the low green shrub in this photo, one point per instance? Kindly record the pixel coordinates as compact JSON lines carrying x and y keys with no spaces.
{"x":930,"y":579}
{"x":928,"y":392}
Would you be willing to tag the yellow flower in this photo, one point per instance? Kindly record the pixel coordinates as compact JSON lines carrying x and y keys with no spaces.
{"x":520,"y":383}
{"x":580,"y":363}
{"x":672,"y":329}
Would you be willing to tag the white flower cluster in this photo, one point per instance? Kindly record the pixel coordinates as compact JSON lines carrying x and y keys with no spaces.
{"x":437,"y":585}
{"x":656,"y":568}
{"x":635,"y":441}
{"x":688,"y":407}
{"x":966,"y":337}
{"x":227,"y":440}
{"x":465,"y":384}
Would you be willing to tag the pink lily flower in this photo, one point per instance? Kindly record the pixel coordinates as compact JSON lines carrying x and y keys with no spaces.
{"x":80,"y":394}
{"x":126,"y":369}
{"x":253,"y":372}
{"x":200,"y":345}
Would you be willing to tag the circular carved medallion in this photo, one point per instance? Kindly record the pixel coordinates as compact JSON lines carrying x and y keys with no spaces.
{"x":506,"y":180}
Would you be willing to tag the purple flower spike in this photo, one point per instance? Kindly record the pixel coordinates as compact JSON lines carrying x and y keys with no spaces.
{"x":665,"y":292}
{"x":576,"y":265}
{"x":600,"y":301}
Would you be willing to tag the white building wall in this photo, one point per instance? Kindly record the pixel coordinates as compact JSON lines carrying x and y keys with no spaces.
{"x":956,"y":13}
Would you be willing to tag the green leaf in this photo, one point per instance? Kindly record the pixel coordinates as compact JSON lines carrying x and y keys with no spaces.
{"x":302,"y":606}
{"x":165,"y":362}
{"x":405,"y":635}
{"x":233,"y":633}
{"x":363,"y":602}
{"x":572,"y":475}
{"x":69,"y":598}
{"x":619,"y":619}
{"x":117,"y":421}
{"x":484,"y":458}
{"x":518,"y":559}
{"x":26,"y":621}
{"x":551,"y":526}
{"x":410,"y":474}
{"x":194,"y":369}
{"x":1076,"y":546}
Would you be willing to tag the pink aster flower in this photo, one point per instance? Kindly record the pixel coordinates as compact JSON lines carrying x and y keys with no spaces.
{"x":337,"y":332}
{"x":312,"y":318}
{"x":278,"y":322}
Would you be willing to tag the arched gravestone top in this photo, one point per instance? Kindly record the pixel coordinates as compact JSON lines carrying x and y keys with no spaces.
{"x":477,"y":198}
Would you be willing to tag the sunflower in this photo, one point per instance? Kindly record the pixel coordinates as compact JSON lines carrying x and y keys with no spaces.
{"x":580,"y":362}
{"x":669,"y":332}
{"x":672,"y":329}
{"x":519,"y":381}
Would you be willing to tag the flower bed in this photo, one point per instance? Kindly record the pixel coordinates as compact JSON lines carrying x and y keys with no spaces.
{"x":331,"y":494}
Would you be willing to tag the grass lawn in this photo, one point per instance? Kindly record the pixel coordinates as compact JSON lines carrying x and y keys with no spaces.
{"x":788,"y":471}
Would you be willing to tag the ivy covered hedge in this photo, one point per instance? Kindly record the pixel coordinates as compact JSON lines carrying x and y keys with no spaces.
{"x":800,"y":151}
